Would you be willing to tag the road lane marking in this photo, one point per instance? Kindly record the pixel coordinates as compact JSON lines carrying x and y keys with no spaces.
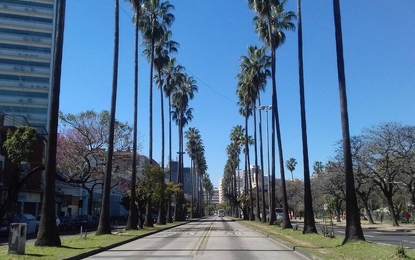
{"x":202,"y":239}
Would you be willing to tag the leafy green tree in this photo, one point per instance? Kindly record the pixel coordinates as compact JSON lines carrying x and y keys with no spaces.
{"x":353,"y":227}
{"x":104,"y":226}
{"x":19,"y":146}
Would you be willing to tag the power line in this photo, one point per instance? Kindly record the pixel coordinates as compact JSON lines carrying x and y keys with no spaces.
{"x":194,"y":75}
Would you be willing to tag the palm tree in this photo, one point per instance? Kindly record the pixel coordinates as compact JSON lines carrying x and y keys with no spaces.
{"x":193,"y":144}
{"x":155,"y":21}
{"x":104,"y":226}
{"x":246,"y":102}
{"x":309,"y":222}
{"x":161,"y":59}
{"x":132,"y":220}
{"x":237,"y":138}
{"x":172,"y":76}
{"x":271,"y":23}
{"x":254,"y":71}
{"x":290,"y":164}
{"x":48,"y":232}
{"x":353,"y":227}
{"x":182,"y":114}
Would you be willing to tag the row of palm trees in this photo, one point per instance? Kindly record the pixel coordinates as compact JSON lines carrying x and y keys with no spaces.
{"x":271,"y":22}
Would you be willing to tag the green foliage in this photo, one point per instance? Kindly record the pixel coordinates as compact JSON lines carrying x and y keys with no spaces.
{"x":20,"y":143}
{"x":400,"y":252}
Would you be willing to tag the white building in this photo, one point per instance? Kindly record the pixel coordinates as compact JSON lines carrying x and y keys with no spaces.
{"x":27,"y":29}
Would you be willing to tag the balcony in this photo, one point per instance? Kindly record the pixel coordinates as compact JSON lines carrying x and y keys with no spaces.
{"x":25,"y":55}
{"x":26,"y":40}
{"x":23,"y":25}
{"x":18,"y":9}
{"x":24,"y":70}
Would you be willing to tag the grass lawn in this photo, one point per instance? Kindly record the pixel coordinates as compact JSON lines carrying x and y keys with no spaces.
{"x":75,"y":245}
{"x":330,"y":248}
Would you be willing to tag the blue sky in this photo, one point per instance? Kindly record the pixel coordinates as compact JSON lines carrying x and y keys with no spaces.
{"x":379,"y":49}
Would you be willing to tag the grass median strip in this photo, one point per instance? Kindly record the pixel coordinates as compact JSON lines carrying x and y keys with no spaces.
{"x":330,"y":248}
{"x":76,"y":245}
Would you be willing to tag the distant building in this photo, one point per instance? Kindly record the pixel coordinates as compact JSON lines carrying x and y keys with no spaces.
{"x":215,"y":197}
{"x":27,"y":33}
{"x":187,"y":180}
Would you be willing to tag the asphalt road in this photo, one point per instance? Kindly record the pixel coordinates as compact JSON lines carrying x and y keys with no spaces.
{"x":211,"y":238}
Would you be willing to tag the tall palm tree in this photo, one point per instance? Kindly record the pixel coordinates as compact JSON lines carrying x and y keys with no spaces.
{"x":154,"y":23}
{"x":271,"y":22}
{"x":254,"y":72}
{"x":164,"y":47}
{"x":237,"y":138}
{"x":104,"y":226}
{"x":182,"y":114}
{"x":290,"y":164}
{"x":132,"y":220}
{"x":48,"y":231}
{"x":309,"y":221}
{"x":172,"y":75}
{"x":193,"y":144}
{"x":353,"y":226}
{"x":246,"y":103}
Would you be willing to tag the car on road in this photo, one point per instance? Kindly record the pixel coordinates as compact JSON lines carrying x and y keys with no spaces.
{"x":29,"y":219}
{"x":84,"y":221}
{"x":58,"y":222}
{"x":67,"y":223}
{"x":4,"y":228}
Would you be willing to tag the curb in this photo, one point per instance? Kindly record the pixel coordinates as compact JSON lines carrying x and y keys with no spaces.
{"x":283,"y":242}
{"x":105,"y":248}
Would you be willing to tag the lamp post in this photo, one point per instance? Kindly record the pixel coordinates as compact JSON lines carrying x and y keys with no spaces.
{"x":266,"y":108}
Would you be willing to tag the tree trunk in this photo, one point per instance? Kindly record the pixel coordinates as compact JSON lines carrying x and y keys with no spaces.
{"x":132,"y":220}
{"x":353,"y":227}
{"x":104,"y":226}
{"x":256,"y":169}
{"x":48,"y":231}
{"x":309,"y":221}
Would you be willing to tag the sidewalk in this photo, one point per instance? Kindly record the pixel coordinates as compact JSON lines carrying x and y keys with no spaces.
{"x":385,"y":226}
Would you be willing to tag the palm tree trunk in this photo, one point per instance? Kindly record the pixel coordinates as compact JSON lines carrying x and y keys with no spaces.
{"x":161,"y":219}
{"x":48,"y":233}
{"x":256,"y":168}
{"x":169,"y":216}
{"x":353,"y":227}
{"x":132,"y":221}
{"x":150,"y":152}
{"x":309,"y":221}
{"x":261,"y":154}
{"x":104,"y":226}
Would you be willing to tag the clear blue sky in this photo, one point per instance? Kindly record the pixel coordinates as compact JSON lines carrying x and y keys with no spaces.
{"x":379,"y":49}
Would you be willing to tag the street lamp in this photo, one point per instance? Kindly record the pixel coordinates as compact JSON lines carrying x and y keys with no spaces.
{"x":266,"y":108}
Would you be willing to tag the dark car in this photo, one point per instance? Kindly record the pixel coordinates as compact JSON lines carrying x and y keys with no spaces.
{"x":84,"y":221}
{"x":67,"y":223}
{"x":4,"y":228}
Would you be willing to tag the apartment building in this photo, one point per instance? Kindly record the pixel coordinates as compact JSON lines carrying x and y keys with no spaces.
{"x":27,"y":29}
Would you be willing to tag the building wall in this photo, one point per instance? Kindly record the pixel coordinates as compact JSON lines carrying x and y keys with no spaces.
{"x":26,"y":48}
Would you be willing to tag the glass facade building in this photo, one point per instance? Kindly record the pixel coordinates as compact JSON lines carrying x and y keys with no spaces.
{"x":27,"y":29}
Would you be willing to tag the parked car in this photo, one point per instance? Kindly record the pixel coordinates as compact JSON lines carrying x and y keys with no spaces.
{"x":58,"y":222}
{"x":29,"y":219}
{"x":4,"y":228}
{"x":84,"y":221}
{"x":67,"y":223}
